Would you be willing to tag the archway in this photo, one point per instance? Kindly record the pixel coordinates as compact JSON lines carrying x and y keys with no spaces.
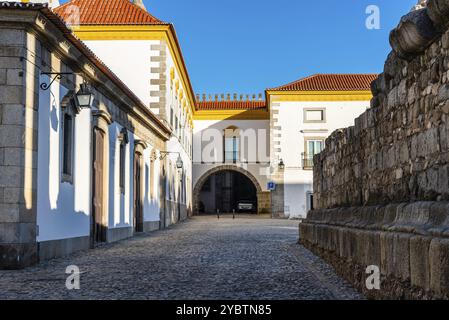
{"x":227,"y":188}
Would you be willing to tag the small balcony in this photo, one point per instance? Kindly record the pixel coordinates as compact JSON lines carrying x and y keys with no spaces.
{"x":307,"y":161}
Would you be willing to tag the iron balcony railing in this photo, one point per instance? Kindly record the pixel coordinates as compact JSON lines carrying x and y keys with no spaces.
{"x":307,"y":161}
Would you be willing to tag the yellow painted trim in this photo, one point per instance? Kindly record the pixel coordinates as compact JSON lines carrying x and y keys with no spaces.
{"x":319,"y":95}
{"x":232,"y":115}
{"x":144,"y":32}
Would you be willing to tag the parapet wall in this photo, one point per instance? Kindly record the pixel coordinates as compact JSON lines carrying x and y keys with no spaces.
{"x":371,"y":177}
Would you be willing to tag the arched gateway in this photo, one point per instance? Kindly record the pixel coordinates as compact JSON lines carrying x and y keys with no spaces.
{"x":239,"y":187}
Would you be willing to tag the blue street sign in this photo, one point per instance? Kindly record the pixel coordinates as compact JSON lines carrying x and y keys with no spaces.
{"x":271,"y":186}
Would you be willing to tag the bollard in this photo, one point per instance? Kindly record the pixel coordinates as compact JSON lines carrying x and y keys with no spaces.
{"x":233,"y":214}
{"x":218,"y":214}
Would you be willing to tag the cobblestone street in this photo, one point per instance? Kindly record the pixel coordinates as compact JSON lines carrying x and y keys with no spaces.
{"x":203,"y":258}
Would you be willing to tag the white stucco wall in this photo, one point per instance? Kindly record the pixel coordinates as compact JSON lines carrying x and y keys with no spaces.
{"x":130,"y":61}
{"x":294,"y":132}
{"x":63,"y":209}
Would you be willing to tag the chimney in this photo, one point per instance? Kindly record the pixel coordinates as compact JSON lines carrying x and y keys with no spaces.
{"x":139,"y":3}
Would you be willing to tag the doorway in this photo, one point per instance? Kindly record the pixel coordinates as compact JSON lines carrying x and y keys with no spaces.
{"x":138,"y":212}
{"x":98,"y":230}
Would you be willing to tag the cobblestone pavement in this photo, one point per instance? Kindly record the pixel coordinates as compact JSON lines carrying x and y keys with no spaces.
{"x":203,"y":258}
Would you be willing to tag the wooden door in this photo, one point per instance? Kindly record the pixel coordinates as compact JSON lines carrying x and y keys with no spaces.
{"x":138,"y":214}
{"x":98,"y":229}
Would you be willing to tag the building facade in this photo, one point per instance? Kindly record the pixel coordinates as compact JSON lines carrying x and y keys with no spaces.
{"x":231,"y":160}
{"x":71,"y":175}
{"x":302,"y":115}
{"x":145,"y":54}
{"x":144,"y":152}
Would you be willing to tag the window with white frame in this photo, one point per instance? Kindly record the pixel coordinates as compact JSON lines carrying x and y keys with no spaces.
{"x":314,"y":115}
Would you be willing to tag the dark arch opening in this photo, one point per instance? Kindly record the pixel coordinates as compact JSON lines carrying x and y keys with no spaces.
{"x":227,"y":191}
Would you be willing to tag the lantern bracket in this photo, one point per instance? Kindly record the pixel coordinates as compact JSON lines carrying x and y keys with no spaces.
{"x":53,"y":76}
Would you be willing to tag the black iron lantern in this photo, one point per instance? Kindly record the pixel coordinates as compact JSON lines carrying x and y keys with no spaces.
{"x":84,"y":97}
{"x":179,"y":163}
{"x":281,"y":165}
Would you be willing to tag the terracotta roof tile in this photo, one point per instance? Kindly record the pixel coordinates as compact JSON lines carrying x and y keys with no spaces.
{"x":230,"y":105}
{"x":330,"y":82}
{"x":107,"y":12}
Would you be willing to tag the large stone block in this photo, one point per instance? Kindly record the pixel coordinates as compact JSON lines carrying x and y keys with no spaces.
{"x":13,"y":62}
{"x":12,"y":37}
{"x":13,"y":114}
{"x":419,"y":262}
{"x":8,"y":212}
{"x":17,"y":255}
{"x":2,"y":76}
{"x":11,"y":94}
{"x":12,"y":136}
{"x":439,"y":267}
{"x":11,"y":176}
{"x":395,"y":255}
{"x":14,"y":77}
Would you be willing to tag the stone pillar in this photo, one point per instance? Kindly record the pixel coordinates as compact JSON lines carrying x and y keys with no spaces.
{"x":19,"y":92}
{"x":264,"y":202}
{"x":277,"y":195}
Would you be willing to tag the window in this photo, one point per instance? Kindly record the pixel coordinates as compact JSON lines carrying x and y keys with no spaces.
{"x":176,"y":124}
{"x":171,"y":116}
{"x":313,"y":146}
{"x":314,"y":115}
{"x":67,"y":147}
{"x":232,"y":145}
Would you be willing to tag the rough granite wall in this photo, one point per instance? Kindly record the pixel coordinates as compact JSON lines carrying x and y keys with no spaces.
{"x":381,"y":186}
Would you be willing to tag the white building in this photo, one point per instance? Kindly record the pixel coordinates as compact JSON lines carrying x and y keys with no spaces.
{"x":144,"y":53}
{"x":231,"y":161}
{"x":302,"y":115}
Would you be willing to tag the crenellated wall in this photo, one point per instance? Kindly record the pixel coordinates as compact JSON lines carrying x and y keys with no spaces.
{"x":381,"y":185}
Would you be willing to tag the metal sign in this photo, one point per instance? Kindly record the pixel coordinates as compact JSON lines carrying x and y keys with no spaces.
{"x":271,"y":186}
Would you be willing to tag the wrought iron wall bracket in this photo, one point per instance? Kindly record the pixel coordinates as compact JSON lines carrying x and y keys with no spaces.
{"x":164,"y":154}
{"x":53,"y":76}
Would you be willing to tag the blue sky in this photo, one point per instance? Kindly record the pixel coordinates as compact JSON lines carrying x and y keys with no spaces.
{"x":246,"y":46}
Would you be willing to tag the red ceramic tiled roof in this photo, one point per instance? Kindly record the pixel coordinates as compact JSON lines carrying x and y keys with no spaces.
{"x":331,"y":82}
{"x":107,"y":12}
{"x":230,"y":105}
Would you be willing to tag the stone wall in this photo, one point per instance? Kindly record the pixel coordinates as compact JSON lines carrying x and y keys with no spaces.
{"x":369,"y":180}
{"x":18,"y":148}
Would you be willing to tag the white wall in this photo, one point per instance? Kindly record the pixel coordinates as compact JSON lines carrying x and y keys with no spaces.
{"x":297,"y":182}
{"x":63,"y":209}
{"x":130,"y":61}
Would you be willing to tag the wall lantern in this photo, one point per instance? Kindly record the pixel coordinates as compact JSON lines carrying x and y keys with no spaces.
{"x":179,"y":163}
{"x":84,"y":97}
{"x":281,"y":165}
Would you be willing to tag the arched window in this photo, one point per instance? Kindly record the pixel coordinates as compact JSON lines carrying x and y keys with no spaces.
{"x":232,"y":145}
